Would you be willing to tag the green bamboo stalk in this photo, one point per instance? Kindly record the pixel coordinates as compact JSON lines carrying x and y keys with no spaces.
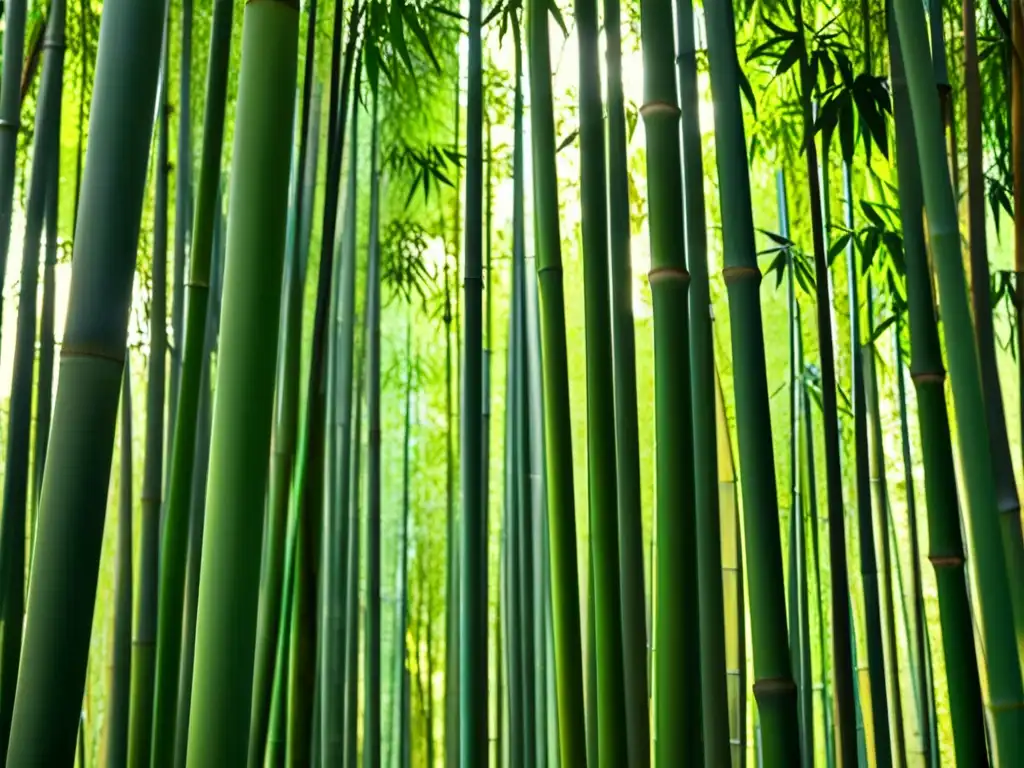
{"x":316,"y":415}
{"x":427,"y":688}
{"x":774,"y":688}
{"x":593,"y":746}
{"x":176,"y":518}
{"x":715,"y":699}
{"x":811,"y":496}
{"x":1005,"y":691}
{"x":44,"y":176}
{"x":277,"y":730}
{"x":601,"y":458}
{"x":880,"y":493}
{"x":565,"y":603}
{"x":873,"y":590}
{"x":500,"y":687}
{"x":1017,"y":155}
{"x":282,"y":464}
{"x":627,"y":451}
{"x":121,"y":643}
{"x":519,"y":710}
{"x":44,"y":383}
{"x":451,"y":644}
{"x":73,"y":500}
{"x":1007,"y":500}
{"x":226,"y":621}
{"x":352,"y":579}
{"x":197,"y":515}
{"x":144,"y":641}
{"x":340,"y":626}
{"x":336,"y":527}
{"x":732,"y":583}
{"x":404,"y":725}
{"x":372,"y":694}
{"x":946,"y":549}
{"x":677,"y":704}
{"x":10,"y":118}
{"x":85,"y":13}
{"x":485,"y":415}
{"x":525,"y":508}
{"x":538,"y":498}
{"x":488,"y":339}
{"x":182,"y":218}
{"x":890,"y":533}
{"x":307,"y":481}
{"x":299,"y":653}
{"x":553,"y":729}
{"x":473,"y":564}
{"x":797,"y":588}
{"x":916,"y":627}
{"x":826,"y":344}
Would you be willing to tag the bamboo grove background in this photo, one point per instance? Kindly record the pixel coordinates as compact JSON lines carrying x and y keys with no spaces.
{"x":360,"y":404}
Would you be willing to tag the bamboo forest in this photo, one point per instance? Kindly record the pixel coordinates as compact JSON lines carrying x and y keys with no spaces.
{"x":523,"y":383}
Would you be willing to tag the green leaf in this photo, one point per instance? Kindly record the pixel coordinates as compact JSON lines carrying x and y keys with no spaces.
{"x":881,"y":328}
{"x":870,"y":115}
{"x":632,"y":114}
{"x":872,"y":214}
{"x":396,"y":31}
{"x":828,"y":69}
{"x":412,"y":19}
{"x":838,"y":247}
{"x":765,"y":48}
{"x":804,"y":275}
{"x":782,"y":240}
{"x":869,"y":247}
{"x":567,"y":140}
{"x":846,"y":141}
{"x":782,"y":32}
{"x":372,"y":61}
{"x":790,"y":57}
{"x":556,"y":12}
{"x":747,"y":91}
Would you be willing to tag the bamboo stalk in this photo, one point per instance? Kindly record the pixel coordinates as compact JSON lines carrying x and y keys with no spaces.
{"x":73,"y":500}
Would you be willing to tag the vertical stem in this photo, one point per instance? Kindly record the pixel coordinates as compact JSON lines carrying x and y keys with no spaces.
{"x":565,"y":598}
{"x":243,"y":407}
{"x":473,"y":613}
{"x":774,"y":688}
{"x":144,"y":641}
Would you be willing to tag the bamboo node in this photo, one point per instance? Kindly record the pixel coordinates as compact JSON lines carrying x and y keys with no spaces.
{"x":84,"y":350}
{"x":654,"y":108}
{"x":774,"y":686}
{"x":946,"y":561}
{"x":196,"y":283}
{"x":10,"y":124}
{"x":668,"y":275}
{"x":550,"y":269}
{"x":1005,"y":706}
{"x":736,"y":274}
{"x":929,"y":377}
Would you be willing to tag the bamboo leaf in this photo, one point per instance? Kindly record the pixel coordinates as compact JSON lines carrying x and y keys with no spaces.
{"x":396,"y":31}
{"x":838,"y":247}
{"x":881,"y":328}
{"x":746,"y":89}
{"x":556,"y":12}
{"x":412,"y":19}
{"x":846,"y":142}
{"x":568,"y":140}
{"x":790,"y":57}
